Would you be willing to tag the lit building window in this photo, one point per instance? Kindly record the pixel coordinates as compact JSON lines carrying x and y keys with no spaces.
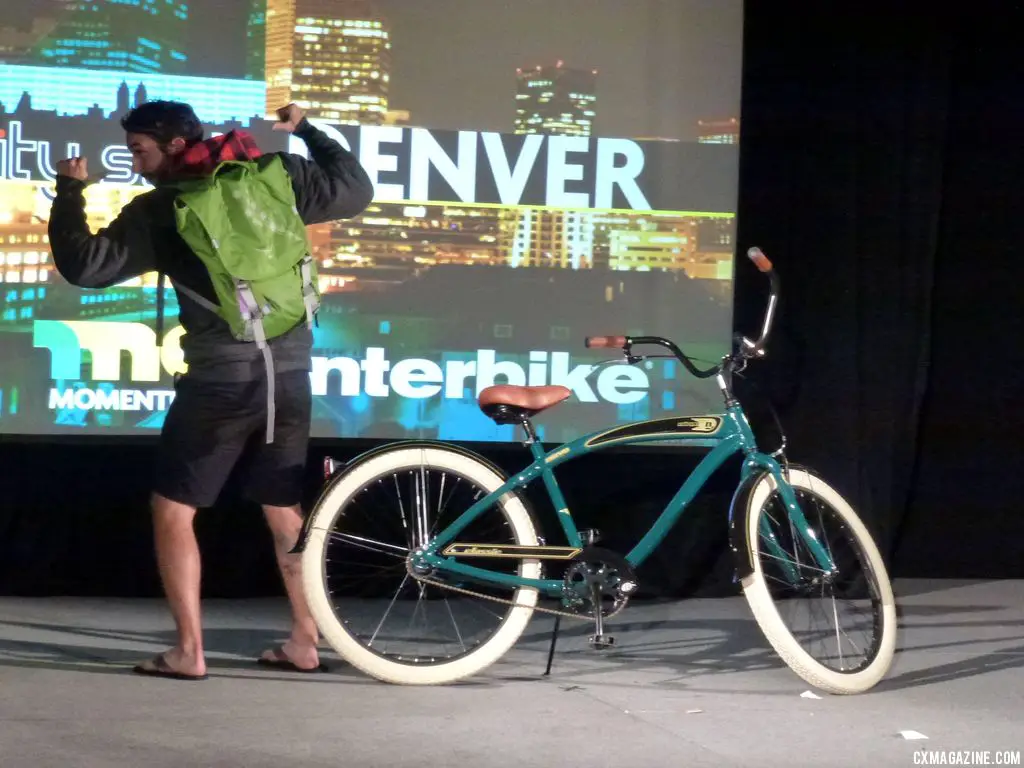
{"x":330,"y":86}
{"x":555,"y":100}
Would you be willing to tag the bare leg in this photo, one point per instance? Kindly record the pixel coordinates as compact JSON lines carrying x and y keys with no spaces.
{"x":177,"y":554}
{"x":285,"y":524}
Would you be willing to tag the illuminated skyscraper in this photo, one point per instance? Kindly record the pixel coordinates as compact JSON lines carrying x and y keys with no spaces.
{"x":25,"y":266}
{"x":331,"y":57}
{"x":553,"y":238}
{"x":126,"y":36}
{"x":556,"y":99}
{"x":256,"y":40}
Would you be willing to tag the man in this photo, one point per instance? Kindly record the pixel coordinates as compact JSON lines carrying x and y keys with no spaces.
{"x":220,"y":408}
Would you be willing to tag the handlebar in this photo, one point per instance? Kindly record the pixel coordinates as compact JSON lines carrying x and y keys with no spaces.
{"x":756,"y":348}
{"x":761,"y":261}
{"x":593,"y":342}
{"x":747,"y":348}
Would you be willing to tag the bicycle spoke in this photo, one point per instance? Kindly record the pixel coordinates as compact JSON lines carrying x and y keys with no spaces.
{"x":384,"y":605}
{"x":455,"y":624}
{"x":796,"y":562}
{"x":401,"y":508}
{"x":824,"y":626}
{"x":372,"y":546}
{"x":388,"y":612}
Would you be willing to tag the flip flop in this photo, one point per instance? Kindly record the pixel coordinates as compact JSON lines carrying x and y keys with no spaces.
{"x":158,"y":667}
{"x":281,"y":661}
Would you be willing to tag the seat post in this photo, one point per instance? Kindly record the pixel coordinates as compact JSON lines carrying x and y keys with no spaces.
{"x":531,"y":435}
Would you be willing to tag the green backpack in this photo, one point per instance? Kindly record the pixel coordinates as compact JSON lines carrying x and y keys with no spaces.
{"x":243,"y":224}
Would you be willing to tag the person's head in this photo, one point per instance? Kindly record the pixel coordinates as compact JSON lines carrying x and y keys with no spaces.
{"x":156,"y":132}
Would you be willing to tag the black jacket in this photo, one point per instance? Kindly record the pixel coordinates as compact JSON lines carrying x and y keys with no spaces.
{"x":143,"y":238}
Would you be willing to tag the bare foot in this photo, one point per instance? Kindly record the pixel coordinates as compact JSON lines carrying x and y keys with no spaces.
{"x":303,"y":657}
{"x":175,"y":664}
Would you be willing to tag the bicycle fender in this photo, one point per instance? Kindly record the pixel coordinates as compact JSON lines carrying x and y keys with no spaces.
{"x":739,"y":537}
{"x":362,"y":458}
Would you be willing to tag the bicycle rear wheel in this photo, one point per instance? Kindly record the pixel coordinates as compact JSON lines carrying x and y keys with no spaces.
{"x":372,"y":610}
{"x":787,"y":591}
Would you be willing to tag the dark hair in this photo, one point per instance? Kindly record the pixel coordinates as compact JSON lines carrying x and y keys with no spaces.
{"x":164,"y":121}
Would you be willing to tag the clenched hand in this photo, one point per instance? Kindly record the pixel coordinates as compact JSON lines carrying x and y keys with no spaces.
{"x":290,"y":118}
{"x":75,"y":167}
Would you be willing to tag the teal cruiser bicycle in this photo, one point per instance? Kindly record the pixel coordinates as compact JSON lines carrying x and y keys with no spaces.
{"x":422,"y":562}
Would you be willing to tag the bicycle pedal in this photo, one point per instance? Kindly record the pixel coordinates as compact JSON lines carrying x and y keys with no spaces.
{"x":601,"y":642}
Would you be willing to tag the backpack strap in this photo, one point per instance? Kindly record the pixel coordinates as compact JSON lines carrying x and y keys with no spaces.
{"x":200,"y":300}
{"x":160,"y":308}
{"x":252,"y":314}
{"x":309,"y":294}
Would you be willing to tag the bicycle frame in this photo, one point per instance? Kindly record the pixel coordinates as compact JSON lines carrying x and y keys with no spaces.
{"x":725,"y":435}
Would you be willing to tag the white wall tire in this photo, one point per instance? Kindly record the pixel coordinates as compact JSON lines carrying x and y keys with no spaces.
{"x":766,"y":614}
{"x":334,"y":631}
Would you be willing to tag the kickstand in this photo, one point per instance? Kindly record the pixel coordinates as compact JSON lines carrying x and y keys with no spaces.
{"x":554,"y":639}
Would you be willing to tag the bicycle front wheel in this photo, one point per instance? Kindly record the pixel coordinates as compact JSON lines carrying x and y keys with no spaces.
{"x":372,"y":610}
{"x":837,"y":632}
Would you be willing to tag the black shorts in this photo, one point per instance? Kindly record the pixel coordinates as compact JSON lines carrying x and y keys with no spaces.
{"x":211,"y":426}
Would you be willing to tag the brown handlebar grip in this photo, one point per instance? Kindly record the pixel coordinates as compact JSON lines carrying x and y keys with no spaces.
{"x":593,"y":342}
{"x":760,"y":260}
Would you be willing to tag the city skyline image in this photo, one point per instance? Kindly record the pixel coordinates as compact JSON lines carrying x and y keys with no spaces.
{"x":542,"y":171}
{"x":663,"y":65}
{"x":393,"y":240}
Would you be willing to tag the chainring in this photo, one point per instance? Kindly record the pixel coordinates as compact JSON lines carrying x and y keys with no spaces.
{"x":603,"y":571}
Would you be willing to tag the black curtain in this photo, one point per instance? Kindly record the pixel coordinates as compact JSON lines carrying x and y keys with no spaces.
{"x":879,"y":171}
{"x":844,"y":139}
{"x":879,"y":168}
{"x":964,"y":514}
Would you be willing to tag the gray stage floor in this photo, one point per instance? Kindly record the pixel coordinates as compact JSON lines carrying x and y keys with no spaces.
{"x":691,"y":684}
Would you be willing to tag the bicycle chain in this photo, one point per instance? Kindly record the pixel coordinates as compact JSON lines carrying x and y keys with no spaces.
{"x":492,"y":598}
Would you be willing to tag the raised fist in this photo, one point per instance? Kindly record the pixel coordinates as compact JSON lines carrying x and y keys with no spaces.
{"x":290,"y":118}
{"x":75,"y":167}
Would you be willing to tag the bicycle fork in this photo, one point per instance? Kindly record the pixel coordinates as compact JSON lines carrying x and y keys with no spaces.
{"x":800,"y":530}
